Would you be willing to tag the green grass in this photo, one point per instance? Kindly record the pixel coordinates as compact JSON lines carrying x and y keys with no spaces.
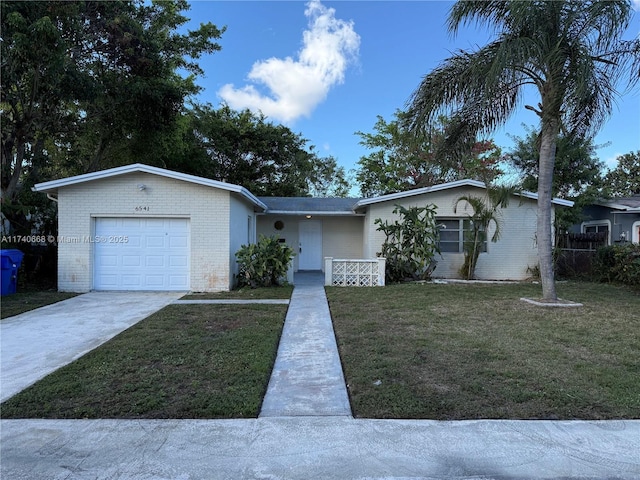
{"x":21,"y":302}
{"x":246,"y":293}
{"x":185,"y":361}
{"x":476,"y":351}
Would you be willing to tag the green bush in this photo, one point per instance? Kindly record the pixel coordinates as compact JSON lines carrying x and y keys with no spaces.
{"x":618,"y":263}
{"x":410,"y":244}
{"x":263,"y":264}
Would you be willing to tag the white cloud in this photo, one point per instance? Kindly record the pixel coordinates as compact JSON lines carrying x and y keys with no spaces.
{"x":611,"y":162}
{"x":296,"y":87}
{"x":636,"y":5}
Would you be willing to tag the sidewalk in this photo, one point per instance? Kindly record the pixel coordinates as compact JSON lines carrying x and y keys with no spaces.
{"x":322,"y":448}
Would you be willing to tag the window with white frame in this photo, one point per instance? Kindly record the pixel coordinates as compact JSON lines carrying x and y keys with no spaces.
{"x":595,"y":226}
{"x":454,"y":232}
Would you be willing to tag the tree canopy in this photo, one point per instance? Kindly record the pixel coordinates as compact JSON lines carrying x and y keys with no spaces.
{"x":92,"y":84}
{"x":624,"y":179}
{"x":402,"y":159}
{"x":245,"y":149}
{"x":577,"y":167}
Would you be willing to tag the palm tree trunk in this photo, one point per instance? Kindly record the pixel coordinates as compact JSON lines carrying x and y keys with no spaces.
{"x":548,"y":136}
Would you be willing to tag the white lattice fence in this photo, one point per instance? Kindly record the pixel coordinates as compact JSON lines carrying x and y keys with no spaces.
{"x":354,"y":273}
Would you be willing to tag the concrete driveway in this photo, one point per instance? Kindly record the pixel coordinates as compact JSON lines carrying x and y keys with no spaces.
{"x":34,"y":344}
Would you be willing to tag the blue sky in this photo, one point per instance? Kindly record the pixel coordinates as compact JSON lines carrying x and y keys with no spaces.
{"x":327,"y":69}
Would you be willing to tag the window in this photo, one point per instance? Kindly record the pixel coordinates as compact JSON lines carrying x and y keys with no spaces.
{"x":598,"y":226}
{"x":453,"y":234}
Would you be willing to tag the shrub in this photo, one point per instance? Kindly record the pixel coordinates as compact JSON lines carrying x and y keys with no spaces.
{"x":263,"y":264}
{"x":618,"y":263}
{"x":410,"y":244}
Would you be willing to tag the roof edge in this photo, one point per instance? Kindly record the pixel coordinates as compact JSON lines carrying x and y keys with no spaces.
{"x":318,"y":213}
{"x":446,"y":186}
{"x":53,"y":185}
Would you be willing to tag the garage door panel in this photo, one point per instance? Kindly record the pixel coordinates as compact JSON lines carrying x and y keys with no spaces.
{"x":154,"y":280}
{"x":155,"y":222}
{"x":155,"y":257}
{"x":178,"y":282}
{"x":178,"y":261}
{"x":108,"y":260}
{"x":154,"y":261}
{"x":154,"y":242}
{"x":134,"y":241}
{"x":178,"y":242}
{"x":109,"y":280}
{"x":131,"y":281}
{"x":131,"y":260}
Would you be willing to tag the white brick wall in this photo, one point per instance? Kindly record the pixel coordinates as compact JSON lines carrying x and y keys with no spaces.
{"x":506,"y":259}
{"x":342,"y":237}
{"x":207,"y":208}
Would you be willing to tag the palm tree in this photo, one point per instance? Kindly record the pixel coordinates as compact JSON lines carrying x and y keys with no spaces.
{"x":569,"y":51}
{"x":484,"y":212}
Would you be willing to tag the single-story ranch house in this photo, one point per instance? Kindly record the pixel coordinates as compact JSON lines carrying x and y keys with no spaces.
{"x":139,"y":227}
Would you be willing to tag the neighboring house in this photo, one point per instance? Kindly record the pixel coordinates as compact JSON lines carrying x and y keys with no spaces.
{"x":145,"y":228}
{"x":619,"y":218}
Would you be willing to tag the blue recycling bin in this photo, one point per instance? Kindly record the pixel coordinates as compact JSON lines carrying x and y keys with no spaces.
{"x":10,"y":261}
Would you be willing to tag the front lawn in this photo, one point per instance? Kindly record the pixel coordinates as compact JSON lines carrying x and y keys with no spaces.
{"x":476,"y":351}
{"x":25,"y":301}
{"x":246,"y":293}
{"x":185,"y":361}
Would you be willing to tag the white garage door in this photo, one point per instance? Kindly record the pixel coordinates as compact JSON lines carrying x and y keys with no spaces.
{"x":141,"y":254}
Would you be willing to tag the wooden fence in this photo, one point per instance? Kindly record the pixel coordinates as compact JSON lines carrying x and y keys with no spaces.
{"x":577,"y":251}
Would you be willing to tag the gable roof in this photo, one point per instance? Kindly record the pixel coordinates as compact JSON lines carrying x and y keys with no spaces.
{"x":625,"y":204}
{"x":53,"y":185}
{"x":310,"y":205}
{"x":446,"y":186}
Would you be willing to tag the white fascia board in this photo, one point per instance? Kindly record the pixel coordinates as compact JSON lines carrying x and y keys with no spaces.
{"x":54,"y":185}
{"x":313,"y":213}
{"x":628,"y":210}
{"x":445,"y":186}
{"x":418,"y":191}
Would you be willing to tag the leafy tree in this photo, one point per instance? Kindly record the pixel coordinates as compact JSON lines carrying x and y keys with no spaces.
{"x":624,"y":179}
{"x":410,"y":243}
{"x":576,"y":165}
{"x":328,"y":179}
{"x":89,"y":85}
{"x":403,"y":159}
{"x":577,"y":172}
{"x":245,"y":149}
{"x":569,"y":52}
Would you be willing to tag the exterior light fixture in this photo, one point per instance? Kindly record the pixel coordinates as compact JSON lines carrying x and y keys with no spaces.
{"x":308,"y":216}
{"x":142,"y":186}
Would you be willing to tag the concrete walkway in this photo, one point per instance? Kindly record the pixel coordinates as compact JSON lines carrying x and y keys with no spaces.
{"x":35,"y":343}
{"x":307,"y":377}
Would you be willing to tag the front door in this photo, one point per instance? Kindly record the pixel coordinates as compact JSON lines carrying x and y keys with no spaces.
{"x":310,"y":248}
